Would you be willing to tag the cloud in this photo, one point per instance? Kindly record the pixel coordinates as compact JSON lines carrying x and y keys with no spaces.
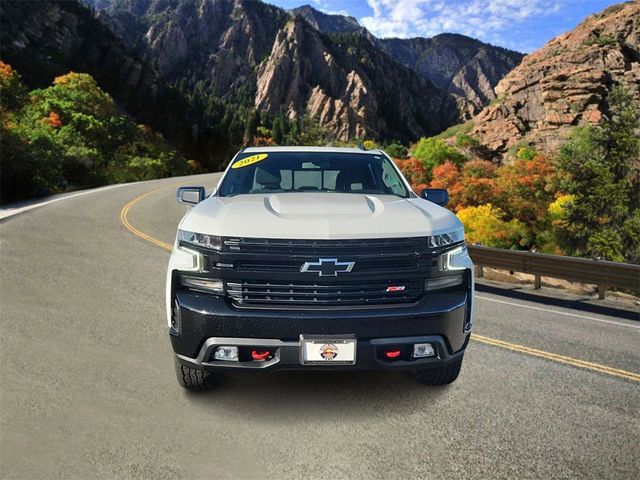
{"x":494,"y":21}
{"x":325,"y":7}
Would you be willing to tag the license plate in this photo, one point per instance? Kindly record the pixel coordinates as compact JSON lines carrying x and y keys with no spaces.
{"x":327,"y":350}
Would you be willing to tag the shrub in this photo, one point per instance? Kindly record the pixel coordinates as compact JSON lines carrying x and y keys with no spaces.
{"x":484,"y":225}
{"x":478,"y":183}
{"x":396,"y":150}
{"x":433,"y":152}
{"x":525,"y":188}
{"x":71,"y":135}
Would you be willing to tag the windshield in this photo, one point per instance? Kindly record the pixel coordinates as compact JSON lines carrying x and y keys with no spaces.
{"x":278,"y":172}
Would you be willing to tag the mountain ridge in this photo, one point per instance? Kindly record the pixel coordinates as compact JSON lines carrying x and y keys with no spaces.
{"x":223,"y":46}
{"x":564,"y":84}
{"x":459,"y":65}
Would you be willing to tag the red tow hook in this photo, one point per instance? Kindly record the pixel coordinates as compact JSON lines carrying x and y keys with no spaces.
{"x":260,"y":355}
{"x":392,"y":353}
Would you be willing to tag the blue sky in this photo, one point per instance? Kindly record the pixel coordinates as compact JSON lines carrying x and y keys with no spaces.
{"x":522,"y":25}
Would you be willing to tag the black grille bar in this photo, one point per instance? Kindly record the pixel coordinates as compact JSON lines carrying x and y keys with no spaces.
{"x":325,"y":247}
{"x":245,"y":293}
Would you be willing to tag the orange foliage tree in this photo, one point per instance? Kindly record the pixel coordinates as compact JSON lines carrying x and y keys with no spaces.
{"x":448,"y":176}
{"x":415,"y":173}
{"x":478,"y":183}
{"x":526,"y":188}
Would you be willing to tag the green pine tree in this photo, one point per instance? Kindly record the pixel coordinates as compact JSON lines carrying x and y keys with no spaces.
{"x":600,"y":167}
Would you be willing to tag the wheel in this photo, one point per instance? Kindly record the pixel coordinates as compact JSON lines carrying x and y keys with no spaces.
{"x":194,"y":378}
{"x":438,"y":375}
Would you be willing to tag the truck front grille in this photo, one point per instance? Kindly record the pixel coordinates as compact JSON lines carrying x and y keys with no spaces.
{"x":376,"y":246}
{"x":374,"y":293}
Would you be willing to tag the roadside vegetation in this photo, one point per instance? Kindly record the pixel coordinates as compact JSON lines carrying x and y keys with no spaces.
{"x":72,"y":135}
{"x":582,"y":202}
{"x":585,"y":201}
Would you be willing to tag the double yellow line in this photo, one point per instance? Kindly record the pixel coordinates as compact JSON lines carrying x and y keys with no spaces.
{"x":554,"y":357}
{"x":139,"y":233}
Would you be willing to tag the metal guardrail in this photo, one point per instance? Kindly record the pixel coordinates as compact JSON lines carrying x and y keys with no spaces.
{"x":596,"y":272}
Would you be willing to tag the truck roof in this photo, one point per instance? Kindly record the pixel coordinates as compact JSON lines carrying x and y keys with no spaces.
{"x":310,"y":149}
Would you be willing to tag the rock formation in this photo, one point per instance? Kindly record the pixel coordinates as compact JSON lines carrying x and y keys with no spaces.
{"x":564,"y":84}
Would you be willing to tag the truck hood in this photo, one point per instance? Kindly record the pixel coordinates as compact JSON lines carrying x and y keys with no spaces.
{"x":319,"y":216}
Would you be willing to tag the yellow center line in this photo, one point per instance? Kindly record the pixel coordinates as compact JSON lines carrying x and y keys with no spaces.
{"x":139,"y":233}
{"x":596,"y":367}
{"x":554,"y":357}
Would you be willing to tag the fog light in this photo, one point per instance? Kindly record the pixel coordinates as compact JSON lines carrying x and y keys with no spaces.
{"x":226,"y":353}
{"x":431,"y":284}
{"x":421,"y":350}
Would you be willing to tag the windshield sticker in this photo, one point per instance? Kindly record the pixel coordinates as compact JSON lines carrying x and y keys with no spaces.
{"x":249,"y":160}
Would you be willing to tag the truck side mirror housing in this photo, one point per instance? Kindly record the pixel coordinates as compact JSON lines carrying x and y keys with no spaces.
{"x":439,"y":196}
{"x":190,"y":195}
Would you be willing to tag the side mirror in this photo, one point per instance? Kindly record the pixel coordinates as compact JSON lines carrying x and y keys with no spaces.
{"x":439,"y":196}
{"x":190,"y":195}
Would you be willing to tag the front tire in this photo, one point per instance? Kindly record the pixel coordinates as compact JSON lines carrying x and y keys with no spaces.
{"x":442,"y":375}
{"x":194,"y":378}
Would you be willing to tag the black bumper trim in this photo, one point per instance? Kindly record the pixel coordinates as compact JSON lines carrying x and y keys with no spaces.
{"x":208,"y":316}
{"x":287,"y":355}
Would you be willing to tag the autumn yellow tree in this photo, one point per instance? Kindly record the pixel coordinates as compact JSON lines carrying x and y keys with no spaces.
{"x":484,"y":225}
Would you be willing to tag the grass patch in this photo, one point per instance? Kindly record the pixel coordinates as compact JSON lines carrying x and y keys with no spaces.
{"x":612,"y":9}
{"x":456,"y":130}
{"x":499,"y":99}
{"x":600,"y":41}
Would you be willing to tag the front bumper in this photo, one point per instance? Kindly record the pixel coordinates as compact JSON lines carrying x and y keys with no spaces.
{"x":207,"y":321}
{"x":286,"y":355}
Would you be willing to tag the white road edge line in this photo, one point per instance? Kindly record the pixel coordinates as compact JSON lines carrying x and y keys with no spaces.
{"x":602,"y":320}
{"x":11,"y":211}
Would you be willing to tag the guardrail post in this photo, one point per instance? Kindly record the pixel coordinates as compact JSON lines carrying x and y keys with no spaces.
{"x":601,"y":291}
{"x":537,"y":282}
{"x":480,"y":271}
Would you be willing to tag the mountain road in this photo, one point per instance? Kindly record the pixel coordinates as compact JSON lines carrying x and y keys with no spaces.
{"x":550,"y":385}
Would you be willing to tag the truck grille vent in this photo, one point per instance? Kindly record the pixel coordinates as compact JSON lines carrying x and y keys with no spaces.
{"x":372,"y":266}
{"x":325,"y":247}
{"x":310,"y":294}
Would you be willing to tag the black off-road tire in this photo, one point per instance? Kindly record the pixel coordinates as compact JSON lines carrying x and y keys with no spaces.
{"x":438,"y":375}
{"x":196,"y":379}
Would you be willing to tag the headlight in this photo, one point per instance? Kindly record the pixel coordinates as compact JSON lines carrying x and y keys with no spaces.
{"x":203,"y":240}
{"x":444,"y":239}
{"x":452,"y":260}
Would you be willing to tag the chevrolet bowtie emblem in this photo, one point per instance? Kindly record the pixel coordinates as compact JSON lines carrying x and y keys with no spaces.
{"x":327,"y":267}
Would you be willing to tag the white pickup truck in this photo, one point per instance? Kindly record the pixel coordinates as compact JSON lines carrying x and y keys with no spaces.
{"x":317,"y":258}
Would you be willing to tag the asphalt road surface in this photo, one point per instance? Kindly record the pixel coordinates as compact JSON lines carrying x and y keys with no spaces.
{"x":550,"y":385}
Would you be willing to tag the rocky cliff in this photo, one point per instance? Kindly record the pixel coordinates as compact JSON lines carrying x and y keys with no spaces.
{"x":459,"y":65}
{"x":252,"y":53}
{"x":462,"y":66}
{"x":223,"y":58}
{"x":564,"y":84}
{"x":349,"y":86}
